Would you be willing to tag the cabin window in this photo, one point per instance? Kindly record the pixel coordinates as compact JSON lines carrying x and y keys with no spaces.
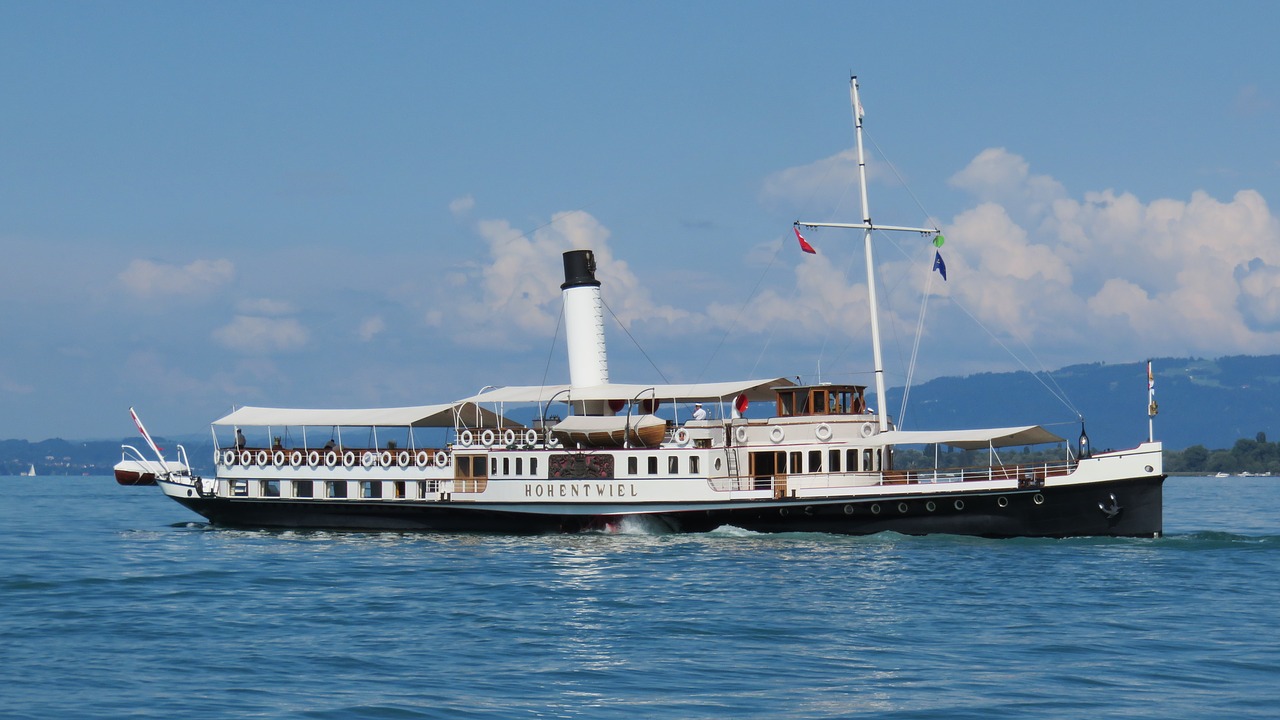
{"x":506,"y":466}
{"x":673,"y":465}
{"x":833,"y":460}
{"x":867,"y":458}
{"x":336,"y":489}
{"x":815,"y":461}
{"x":533,"y":466}
{"x":494,"y":469}
{"x":302,"y":488}
{"x":240,"y":488}
{"x":851,"y":460}
{"x":371,"y":489}
{"x":693,"y":465}
{"x":422,"y":489}
{"x":795,"y":463}
{"x":653,"y":465}
{"x":269,"y":488}
{"x":633,"y":465}
{"x":399,"y":488}
{"x":519,"y":466}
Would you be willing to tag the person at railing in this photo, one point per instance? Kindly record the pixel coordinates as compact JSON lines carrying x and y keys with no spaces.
{"x":699,"y":413}
{"x":329,"y":445}
{"x":240,"y":442}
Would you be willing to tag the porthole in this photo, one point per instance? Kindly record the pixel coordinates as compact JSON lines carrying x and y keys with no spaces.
{"x":930,"y":506}
{"x":1039,"y":499}
{"x":1003,"y":502}
{"x":902,"y":507}
{"x":848,"y":509}
{"x":959,"y":504}
{"x":875,"y":509}
{"x":1149,"y":468}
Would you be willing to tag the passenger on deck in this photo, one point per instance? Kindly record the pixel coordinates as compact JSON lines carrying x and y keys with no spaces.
{"x":329,"y":445}
{"x":239,"y":439}
{"x":698,"y":412}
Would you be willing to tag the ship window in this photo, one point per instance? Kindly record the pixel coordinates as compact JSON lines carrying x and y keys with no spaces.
{"x":693,"y":465}
{"x":834,"y":461}
{"x":371,"y":489}
{"x":422,"y":489}
{"x":795,"y":463}
{"x":533,"y":466}
{"x":494,"y":470}
{"x":673,"y":465}
{"x":815,"y":461}
{"x":519,"y":466}
{"x":302,"y":488}
{"x":336,"y":489}
{"x":399,"y":487}
{"x":851,"y":460}
{"x":653,"y":465}
{"x":240,"y":488}
{"x":506,"y":466}
{"x":633,"y":465}
{"x":866,"y":460}
{"x":270,"y":488}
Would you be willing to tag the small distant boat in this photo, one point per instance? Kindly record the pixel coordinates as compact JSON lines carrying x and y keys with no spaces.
{"x":134,"y":469}
{"x":30,"y":473}
{"x":1222,"y":474}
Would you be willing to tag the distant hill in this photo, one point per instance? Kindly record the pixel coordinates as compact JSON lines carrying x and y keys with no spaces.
{"x":1201,"y":402}
{"x":1212,"y":403}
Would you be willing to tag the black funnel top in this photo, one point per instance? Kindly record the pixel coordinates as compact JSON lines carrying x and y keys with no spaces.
{"x":579,"y":269}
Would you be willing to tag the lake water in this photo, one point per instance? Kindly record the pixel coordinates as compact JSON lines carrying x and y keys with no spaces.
{"x":116,"y":602}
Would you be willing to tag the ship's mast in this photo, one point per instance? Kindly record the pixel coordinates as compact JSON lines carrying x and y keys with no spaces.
{"x":882,"y":413}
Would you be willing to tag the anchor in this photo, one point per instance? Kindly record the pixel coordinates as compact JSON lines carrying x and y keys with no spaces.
{"x":1113,"y":511}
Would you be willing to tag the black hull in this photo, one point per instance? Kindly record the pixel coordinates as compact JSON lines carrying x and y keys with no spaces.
{"x":1122,"y":508}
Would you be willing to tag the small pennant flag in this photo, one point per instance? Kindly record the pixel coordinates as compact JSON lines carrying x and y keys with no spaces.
{"x":938,"y":265}
{"x":804,"y":244}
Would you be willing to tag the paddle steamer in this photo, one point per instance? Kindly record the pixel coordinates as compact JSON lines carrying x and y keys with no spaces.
{"x":819,"y":460}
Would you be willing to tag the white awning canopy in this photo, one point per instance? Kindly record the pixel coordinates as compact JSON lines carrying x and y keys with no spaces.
{"x":466,"y":414}
{"x":972,"y":439}
{"x":755,"y":390}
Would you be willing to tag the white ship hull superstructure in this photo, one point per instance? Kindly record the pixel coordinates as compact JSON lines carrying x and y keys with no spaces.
{"x":819,"y":460}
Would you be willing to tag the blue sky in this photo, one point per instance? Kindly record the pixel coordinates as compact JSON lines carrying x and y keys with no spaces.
{"x":358,"y":204}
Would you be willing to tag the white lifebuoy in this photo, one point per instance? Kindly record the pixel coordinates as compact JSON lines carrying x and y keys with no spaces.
{"x":348,"y":459}
{"x":868,"y":430}
{"x":441,"y":458}
{"x":740,"y":434}
{"x":553,"y":441}
{"x":682,"y":437}
{"x":330,"y":459}
{"x":404,"y":458}
{"x":295,"y":458}
{"x":369,"y":459}
{"x":262,"y":458}
{"x":313,"y":458}
{"x":277,"y":458}
{"x":823,"y":432}
{"x":487,"y":438}
{"x":246,"y":457}
{"x":530,"y":437}
{"x":422,"y":458}
{"x":777,"y":434}
{"x":386,"y":458}
{"x":509,"y":437}
{"x":229,"y":457}
{"x":465,"y":439}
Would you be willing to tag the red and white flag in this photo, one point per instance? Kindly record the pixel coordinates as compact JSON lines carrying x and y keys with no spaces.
{"x":804,"y":244}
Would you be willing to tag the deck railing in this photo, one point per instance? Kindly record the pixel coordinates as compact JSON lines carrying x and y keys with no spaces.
{"x":1028,"y":475}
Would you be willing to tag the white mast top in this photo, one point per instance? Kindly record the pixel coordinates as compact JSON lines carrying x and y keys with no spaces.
{"x":866,"y":225}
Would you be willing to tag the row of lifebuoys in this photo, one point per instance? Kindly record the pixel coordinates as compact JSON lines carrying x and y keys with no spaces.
{"x":488,"y":437}
{"x":331,"y":458}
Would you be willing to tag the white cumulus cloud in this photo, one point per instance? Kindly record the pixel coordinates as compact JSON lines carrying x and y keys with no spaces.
{"x":148,"y":279}
{"x":262,"y":335}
